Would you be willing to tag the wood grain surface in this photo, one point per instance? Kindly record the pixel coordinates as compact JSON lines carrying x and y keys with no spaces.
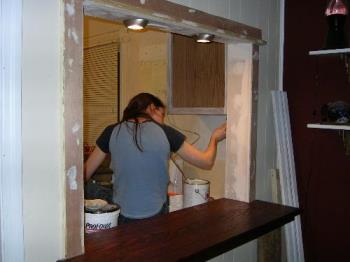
{"x":193,"y":234}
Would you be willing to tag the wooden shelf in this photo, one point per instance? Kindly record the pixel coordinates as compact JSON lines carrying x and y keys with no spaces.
{"x":330,"y":51}
{"x":334,"y":127}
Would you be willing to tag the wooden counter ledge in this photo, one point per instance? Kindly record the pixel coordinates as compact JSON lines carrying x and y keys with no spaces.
{"x":194,"y":234}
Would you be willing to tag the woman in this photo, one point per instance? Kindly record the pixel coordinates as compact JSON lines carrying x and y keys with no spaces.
{"x":140,"y":147}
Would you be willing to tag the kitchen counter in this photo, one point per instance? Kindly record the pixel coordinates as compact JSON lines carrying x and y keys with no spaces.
{"x":195,"y":234}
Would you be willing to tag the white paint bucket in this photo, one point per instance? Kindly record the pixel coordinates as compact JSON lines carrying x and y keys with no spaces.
{"x":175,"y":202}
{"x":196,"y":191}
{"x":97,"y":221}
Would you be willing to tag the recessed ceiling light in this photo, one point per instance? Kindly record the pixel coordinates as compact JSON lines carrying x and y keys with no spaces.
{"x":136,"y":23}
{"x":204,"y":38}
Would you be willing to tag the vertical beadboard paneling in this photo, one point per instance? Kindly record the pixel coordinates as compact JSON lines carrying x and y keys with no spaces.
{"x":235,"y":7}
{"x":219,"y":8}
{"x":202,"y":5}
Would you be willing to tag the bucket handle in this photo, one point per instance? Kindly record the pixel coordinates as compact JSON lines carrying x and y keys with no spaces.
{"x":199,"y":193}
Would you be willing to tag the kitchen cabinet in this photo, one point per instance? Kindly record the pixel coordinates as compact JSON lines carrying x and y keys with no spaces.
{"x":197,"y":77}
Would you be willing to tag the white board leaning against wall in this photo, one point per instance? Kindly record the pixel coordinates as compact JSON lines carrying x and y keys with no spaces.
{"x":11,"y":224}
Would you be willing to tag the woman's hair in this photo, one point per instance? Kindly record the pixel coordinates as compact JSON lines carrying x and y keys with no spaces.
{"x":138,"y":104}
{"x":137,"y":108}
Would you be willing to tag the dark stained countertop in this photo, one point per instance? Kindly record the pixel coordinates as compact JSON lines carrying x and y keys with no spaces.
{"x":195,"y":234}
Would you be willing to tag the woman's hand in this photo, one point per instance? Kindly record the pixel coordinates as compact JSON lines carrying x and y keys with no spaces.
{"x":203,"y":159}
{"x":219,"y":133}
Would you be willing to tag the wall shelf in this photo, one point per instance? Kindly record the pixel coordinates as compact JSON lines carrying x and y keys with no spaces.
{"x":324,"y":126}
{"x":344,"y":54}
{"x":344,"y":132}
{"x":330,"y":51}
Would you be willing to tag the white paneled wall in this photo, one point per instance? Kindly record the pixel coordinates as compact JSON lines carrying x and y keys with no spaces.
{"x":263,"y":14}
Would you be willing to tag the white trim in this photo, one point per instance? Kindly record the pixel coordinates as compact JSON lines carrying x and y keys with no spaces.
{"x":281,"y":46}
{"x":11,"y":216}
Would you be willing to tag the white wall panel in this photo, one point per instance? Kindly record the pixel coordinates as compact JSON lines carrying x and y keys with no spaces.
{"x":235,"y":8}
{"x":42,"y":132}
{"x":219,"y":8}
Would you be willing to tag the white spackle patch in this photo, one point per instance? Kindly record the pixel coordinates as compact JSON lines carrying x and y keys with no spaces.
{"x":70,"y":8}
{"x":256,"y":55}
{"x":190,"y":23}
{"x":161,"y":15}
{"x":142,"y":2}
{"x":78,"y":142}
{"x":75,"y":128}
{"x":70,"y":62}
{"x":72,"y":178}
{"x":75,"y":37}
{"x":191,"y":10}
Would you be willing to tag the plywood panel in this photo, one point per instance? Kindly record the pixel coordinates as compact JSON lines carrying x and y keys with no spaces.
{"x":198,"y":73}
{"x":73,"y":125}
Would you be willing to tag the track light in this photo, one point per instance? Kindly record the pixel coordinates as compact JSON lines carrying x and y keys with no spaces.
{"x":136,"y":23}
{"x":204,"y":38}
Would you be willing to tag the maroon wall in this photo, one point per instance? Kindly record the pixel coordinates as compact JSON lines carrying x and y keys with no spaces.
{"x":323,"y":169}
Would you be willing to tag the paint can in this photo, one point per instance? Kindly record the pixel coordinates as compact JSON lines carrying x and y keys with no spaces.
{"x":196,"y":191}
{"x":101,"y":219}
{"x":175,"y":201}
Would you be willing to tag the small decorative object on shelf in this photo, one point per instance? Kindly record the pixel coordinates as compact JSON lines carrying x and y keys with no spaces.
{"x":336,"y":113}
{"x":336,"y":14}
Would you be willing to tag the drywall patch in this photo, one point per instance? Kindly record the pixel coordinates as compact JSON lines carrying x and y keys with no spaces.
{"x":72,"y":178}
{"x":73,"y":35}
{"x":161,"y":15}
{"x":70,"y":8}
{"x":256,"y":55}
{"x":70,"y":62}
{"x":190,"y":23}
{"x":75,"y":128}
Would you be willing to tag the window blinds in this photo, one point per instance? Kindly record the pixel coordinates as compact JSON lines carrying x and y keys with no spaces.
{"x":101,"y":91}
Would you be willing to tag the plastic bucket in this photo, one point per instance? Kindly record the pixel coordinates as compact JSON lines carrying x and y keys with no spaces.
{"x":196,"y":191}
{"x":98,"y":221}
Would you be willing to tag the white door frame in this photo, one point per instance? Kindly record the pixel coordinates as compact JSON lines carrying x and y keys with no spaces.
{"x":11,"y":214}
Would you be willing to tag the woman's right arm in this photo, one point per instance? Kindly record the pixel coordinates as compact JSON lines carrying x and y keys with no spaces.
{"x":203,"y":159}
{"x":94,"y":161}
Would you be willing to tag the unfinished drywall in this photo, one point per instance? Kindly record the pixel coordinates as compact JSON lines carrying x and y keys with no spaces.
{"x":42,"y":141}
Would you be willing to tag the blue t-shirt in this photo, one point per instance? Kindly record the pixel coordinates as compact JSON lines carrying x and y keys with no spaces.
{"x":140,"y":177}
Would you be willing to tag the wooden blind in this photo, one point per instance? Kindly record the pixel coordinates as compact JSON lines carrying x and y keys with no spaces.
{"x":101,"y":91}
{"x":198,"y":73}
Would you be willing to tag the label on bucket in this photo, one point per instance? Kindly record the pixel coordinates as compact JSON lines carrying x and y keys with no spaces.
{"x":101,"y":221}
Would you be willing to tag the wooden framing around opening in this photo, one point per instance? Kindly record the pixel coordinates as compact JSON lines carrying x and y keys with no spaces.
{"x":175,"y":18}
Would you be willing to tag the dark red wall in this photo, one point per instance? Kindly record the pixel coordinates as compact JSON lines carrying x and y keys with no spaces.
{"x":322,"y":168}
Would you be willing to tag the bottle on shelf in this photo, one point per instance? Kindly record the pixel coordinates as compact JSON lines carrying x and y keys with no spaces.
{"x":336,"y":13}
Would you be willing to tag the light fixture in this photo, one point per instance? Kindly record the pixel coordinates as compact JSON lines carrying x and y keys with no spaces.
{"x":204,"y":38}
{"x":136,"y":23}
